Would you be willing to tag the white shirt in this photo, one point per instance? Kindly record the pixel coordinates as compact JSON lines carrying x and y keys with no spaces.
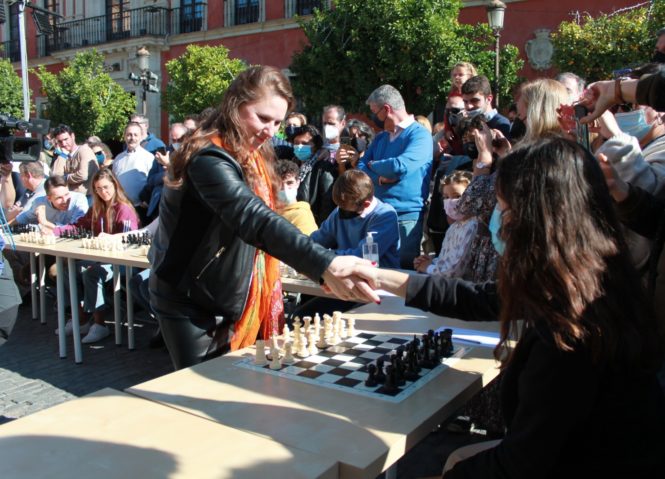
{"x":401,"y":126}
{"x":131,"y":169}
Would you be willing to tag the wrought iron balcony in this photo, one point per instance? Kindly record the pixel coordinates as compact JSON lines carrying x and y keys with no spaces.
{"x":138,"y":22}
{"x":10,"y":50}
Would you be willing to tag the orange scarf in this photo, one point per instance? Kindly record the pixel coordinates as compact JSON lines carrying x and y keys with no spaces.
{"x":264,"y":309}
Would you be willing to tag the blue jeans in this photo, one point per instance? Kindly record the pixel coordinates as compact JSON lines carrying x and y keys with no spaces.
{"x":410,"y":237}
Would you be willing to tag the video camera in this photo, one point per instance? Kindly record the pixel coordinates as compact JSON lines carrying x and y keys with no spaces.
{"x":13,"y":148}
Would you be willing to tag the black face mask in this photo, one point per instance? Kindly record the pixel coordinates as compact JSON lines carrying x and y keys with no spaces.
{"x":658,"y":57}
{"x":348,"y":215}
{"x":470,"y":149}
{"x":290,"y":130}
{"x":360,"y":144}
{"x":377,"y":122}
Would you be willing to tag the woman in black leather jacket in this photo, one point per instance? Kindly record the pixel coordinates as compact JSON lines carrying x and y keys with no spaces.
{"x":215,"y":277}
{"x":579,"y":390}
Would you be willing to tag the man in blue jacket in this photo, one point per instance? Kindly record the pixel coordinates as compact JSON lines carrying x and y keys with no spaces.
{"x":399,"y":162}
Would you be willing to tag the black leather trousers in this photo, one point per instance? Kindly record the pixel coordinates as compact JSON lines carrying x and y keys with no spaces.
{"x":192,"y":334}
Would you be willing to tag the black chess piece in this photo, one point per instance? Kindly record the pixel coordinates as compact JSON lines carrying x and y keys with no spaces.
{"x":390,"y":385}
{"x":371,"y":382}
{"x":398,"y":367}
{"x":380,"y":375}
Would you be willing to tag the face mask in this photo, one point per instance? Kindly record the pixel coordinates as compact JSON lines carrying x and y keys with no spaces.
{"x":288,"y":196}
{"x":450,"y":207}
{"x":100,"y":157}
{"x":47,"y":145}
{"x":302,"y":152}
{"x":360,"y":144}
{"x":377,"y":122}
{"x":495,"y":227}
{"x":330,"y":132}
{"x":470,"y":149}
{"x":633,"y":123}
{"x":290,"y":130}
{"x":175,"y":146}
{"x":454,"y":118}
{"x":348,"y":215}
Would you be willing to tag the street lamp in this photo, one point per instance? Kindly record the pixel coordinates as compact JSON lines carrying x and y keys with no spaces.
{"x":495,"y":11}
{"x":148,"y":80}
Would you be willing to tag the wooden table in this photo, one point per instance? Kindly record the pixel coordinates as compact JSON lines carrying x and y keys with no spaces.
{"x":110,"y":434}
{"x":366,"y":436}
{"x":72,"y":250}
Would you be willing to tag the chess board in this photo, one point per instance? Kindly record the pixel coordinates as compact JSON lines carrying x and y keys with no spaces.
{"x":344,"y":366}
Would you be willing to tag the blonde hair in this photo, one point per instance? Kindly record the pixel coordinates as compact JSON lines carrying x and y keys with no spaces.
{"x":470,"y":69}
{"x":542,"y":98}
{"x":425,"y":122}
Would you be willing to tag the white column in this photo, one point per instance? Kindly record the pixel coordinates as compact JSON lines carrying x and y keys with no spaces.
{"x":229,"y":13}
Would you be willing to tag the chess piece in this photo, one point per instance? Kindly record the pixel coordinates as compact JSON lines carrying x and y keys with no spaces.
{"x":307,"y":320}
{"x":302,"y":350}
{"x":275,"y":364}
{"x":380,"y":375}
{"x":312,"y":349}
{"x":371,"y":382}
{"x":286,"y":334}
{"x":342,"y":329}
{"x":288,"y":354}
{"x":389,"y":386}
{"x":352,"y":327}
{"x":321,"y":344}
{"x":260,"y":358}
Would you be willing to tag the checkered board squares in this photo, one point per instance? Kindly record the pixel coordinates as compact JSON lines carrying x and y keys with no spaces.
{"x":344,"y":366}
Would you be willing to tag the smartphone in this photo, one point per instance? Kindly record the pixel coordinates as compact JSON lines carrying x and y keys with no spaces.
{"x":581,"y":129}
{"x":345,"y":140}
{"x":161,"y":150}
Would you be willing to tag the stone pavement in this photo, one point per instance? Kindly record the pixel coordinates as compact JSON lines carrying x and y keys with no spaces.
{"x":33,"y":377}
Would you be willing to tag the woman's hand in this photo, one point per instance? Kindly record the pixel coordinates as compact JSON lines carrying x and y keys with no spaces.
{"x":421,"y":263}
{"x":340,"y":280}
{"x":601,"y":95}
{"x":500,"y":143}
{"x":608,"y":126}
{"x":619,"y":189}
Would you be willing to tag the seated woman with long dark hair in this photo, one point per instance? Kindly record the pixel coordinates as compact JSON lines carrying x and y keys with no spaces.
{"x":579,"y":390}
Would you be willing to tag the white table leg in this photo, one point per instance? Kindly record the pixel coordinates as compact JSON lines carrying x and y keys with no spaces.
{"x":42,"y":289}
{"x":117,"y":303}
{"x":74,"y":303}
{"x":33,"y":285}
{"x":60,"y":288}
{"x":130,"y":309}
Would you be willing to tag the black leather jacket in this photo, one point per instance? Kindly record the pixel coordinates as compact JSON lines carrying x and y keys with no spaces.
{"x":208,"y":232}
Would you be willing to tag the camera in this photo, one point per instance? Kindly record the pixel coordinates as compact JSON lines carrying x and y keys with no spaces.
{"x":14,"y":148}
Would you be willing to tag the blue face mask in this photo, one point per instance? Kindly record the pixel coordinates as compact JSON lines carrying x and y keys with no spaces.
{"x":100,"y":157}
{"x":495,"y":227}
{"x":633,"y":123}
{"x":302,"y":152}
{"x":47,"y":145}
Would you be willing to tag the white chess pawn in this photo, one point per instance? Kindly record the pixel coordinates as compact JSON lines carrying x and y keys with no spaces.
{"x":302,"y":350}
{"x":312,"y":346}
{"x":308,"y":321}
{"x":275,"y":363}
{"x":286,"y":334}
{"x":342,"y":329}
{"x":288,"y":354}
{"x":352,"y":327}
{"x":296,"y":334}
{"x":321,"y":344}
{"x":260,"y":358}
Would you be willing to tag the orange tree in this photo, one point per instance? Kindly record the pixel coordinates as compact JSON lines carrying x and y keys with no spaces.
{"x":595,"y":47}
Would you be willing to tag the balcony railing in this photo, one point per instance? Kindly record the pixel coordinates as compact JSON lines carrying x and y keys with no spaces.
{"x":304,"y":7}
{"x":10,"y":50}
{"x":138,"y":22}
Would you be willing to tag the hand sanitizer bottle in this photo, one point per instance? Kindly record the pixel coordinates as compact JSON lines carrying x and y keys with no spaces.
{"x":371,"y":249}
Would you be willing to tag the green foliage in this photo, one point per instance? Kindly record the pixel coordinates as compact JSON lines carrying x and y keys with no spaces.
{"x":86,"y":98}
{"x":198,"y":79}
{"x":11,"y":90}
{"x":410,"y":44}
{"x":594,"y":47}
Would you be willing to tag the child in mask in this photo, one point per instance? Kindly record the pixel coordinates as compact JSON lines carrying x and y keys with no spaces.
{"x":455,"y":249}
{"x":296,"y":212}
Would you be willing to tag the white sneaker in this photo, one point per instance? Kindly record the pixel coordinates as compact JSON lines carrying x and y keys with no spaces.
{"x":97,"y":333}
{"x":69,"y":328}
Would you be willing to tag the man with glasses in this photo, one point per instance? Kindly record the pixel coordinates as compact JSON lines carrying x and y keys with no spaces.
{"x":399,"y":162}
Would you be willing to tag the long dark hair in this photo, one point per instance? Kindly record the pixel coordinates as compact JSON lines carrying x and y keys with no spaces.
{"x":249,"y":86}
{"x":566,"y":265}
{"x":99,"y":208}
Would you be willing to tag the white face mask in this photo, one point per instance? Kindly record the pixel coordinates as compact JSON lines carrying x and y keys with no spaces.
{"x":450,"y":207}
{"x":330,"y":132}
{"x":289,"y":195}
